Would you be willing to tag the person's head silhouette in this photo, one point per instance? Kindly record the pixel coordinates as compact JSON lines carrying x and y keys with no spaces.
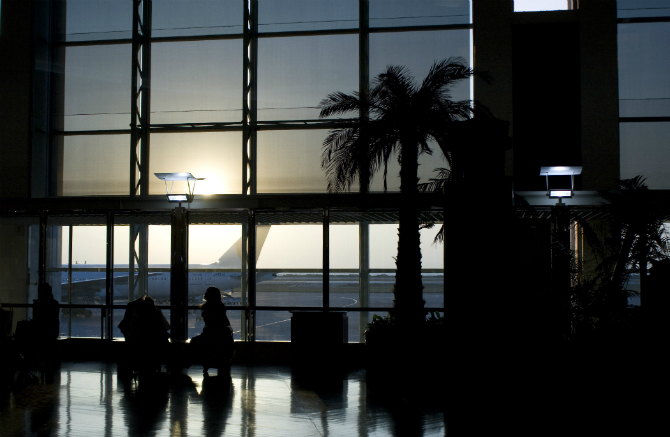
{"x":44,"y":292}
{"x":213,"y":295}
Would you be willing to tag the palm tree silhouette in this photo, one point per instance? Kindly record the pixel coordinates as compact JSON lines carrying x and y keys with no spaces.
{"x":397,"y":117}
{"x":635,"y":236}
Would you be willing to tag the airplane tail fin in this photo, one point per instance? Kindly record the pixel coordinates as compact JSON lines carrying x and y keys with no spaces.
{"x":232,"y":258}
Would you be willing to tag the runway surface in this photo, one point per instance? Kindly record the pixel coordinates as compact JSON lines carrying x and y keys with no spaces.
{"x":284,"y":291}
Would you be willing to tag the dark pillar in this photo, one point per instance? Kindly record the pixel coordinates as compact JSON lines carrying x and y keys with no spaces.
{"x":43,"y":248}
{"x":599,"y":93}
{"x":326,"y":259}
{"x":109,"y":275}
{"x":363,"y":276}
{"x":179,"y":274}
{"x":251,"y":281}
{"x":561,"y":274}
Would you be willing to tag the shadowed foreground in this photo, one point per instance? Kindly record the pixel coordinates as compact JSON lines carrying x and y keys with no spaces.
{"x":90,"y":399}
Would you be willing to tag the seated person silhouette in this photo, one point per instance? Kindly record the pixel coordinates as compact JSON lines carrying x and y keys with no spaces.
{"x":214,"y":347}
{"x":43,"y":333}
{"x":145,"y":329}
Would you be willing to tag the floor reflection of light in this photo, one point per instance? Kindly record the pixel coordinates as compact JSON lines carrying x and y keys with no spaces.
{"x":198,"y":384}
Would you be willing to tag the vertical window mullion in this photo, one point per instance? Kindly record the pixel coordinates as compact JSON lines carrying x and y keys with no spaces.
{"x":69,"y":281}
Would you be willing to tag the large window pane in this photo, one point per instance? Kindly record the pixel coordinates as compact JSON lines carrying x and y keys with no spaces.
{"x":122,"y":269}
{"x":215,"y":247}
{"x":293,"y":15}
{"x":418,"y":51}
{"x":129,"y":259}
{"x":644,"y":62}
{"x":215,"y":156}
{"x":157,"y":256}
{"x":196,"y":17}
{"x":427,"y":166}
{"x":282,"y":153}
{"x":290,"y":161}
{"x":645,"y":150}
{"x":344,"y":274}
{"x":159,"y":263}
{"x":383,"y":249}
{"x":196,"y":82}
{"x":97,"y":20}
{"x":215,"y":260}
{"x":97,"y":92}
{"x":396,"y":13}
{"x":57,"y":261}
{"x":290,"y":266}
{"x":344,"y":264}
{"x":295,"y":74}
{"x":642,"y":8}
{"x":84,"y":247}
{"x":95,"y":165}
{"x":353,"y":326}
{"x":432,"y":268}
{"x":273,"y":326}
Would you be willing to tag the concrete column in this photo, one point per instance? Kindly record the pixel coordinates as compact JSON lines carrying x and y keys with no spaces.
{"x":16,"y":67}
{"x":179,"y":274}
{"x":599,"y":93}
{"x":492,"y":40}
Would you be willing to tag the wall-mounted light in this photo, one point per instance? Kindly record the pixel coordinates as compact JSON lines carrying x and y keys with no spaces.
{"x":179,"y":177}
{"x":560,"y":192}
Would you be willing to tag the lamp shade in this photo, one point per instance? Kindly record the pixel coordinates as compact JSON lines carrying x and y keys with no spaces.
{"x":560,"y":170}
{"x":179,"y":177}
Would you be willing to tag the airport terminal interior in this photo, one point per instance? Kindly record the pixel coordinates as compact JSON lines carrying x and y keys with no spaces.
{"x":161,"y":147}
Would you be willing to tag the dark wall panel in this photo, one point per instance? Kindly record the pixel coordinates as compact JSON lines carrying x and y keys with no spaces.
{"x":547,"y":114}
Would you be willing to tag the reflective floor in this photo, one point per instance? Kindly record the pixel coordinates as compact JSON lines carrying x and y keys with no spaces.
{"x":608,"y":396}
{"x":89,"y":399}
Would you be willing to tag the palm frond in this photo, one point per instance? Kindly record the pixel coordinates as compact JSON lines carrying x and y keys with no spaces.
{"x":339,"y":158}
{"x":340,"y":103}
{"x":436,"y":184}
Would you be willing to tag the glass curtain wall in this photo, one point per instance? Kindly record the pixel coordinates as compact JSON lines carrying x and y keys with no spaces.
{"x":344,"y":274}
{"x":235,"y":101}
{"x":76,"y":267}
{"x":141,"y":262}
{"x":215,"y":260}
{"x":382,"y":251}
{"x":644,"y":90}
{"x":291,"y":54}
{"x":289,"y":270}
{"x":76,"y":270}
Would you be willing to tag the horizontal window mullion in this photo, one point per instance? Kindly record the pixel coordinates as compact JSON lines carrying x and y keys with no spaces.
{"x":644,"y":119}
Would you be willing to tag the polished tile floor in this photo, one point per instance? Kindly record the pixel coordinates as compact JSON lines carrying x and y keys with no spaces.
{"x":89,"y":399}
{"x":597,"y":398}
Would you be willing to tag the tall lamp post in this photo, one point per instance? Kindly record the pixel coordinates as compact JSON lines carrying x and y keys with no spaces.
{"x":561,"y":250}
{"x":179,"y":252}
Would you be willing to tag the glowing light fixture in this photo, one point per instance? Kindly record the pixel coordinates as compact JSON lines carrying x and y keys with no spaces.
{"x":179,"y":177}
{"x":560,"y":171}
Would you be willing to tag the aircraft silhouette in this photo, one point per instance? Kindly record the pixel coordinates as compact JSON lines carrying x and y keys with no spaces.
{"x":89,"y":286}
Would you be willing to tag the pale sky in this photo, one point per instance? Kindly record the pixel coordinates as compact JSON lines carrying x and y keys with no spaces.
{"x":539,"y":5}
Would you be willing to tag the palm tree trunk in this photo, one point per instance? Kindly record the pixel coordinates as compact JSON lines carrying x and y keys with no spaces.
{"x":408,"y":290}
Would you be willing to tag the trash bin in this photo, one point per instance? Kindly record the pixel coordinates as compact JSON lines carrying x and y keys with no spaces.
{"x":318,"y":339}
